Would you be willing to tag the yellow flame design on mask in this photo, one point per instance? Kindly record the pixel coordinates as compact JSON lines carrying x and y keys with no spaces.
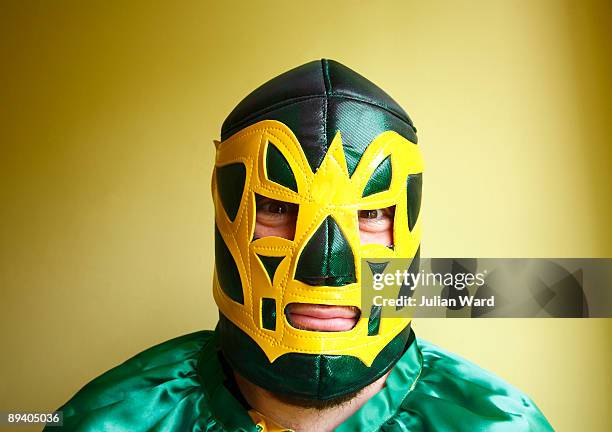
{"x":329,"y":191}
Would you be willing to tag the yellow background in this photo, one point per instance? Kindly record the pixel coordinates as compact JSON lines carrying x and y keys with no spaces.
{"x":107,"y":115}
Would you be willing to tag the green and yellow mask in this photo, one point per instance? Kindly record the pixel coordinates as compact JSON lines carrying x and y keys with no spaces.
{"x":329,"y":141}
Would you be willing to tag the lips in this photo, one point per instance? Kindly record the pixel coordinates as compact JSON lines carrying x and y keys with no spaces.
{"x":327,"y":318}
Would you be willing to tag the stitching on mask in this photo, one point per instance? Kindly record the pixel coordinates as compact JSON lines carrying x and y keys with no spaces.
{"x":398,"y":327}
{"x":327,"y":84}
{"x":271,"y":130}
{"x":335,"y":159}
{"x":292,"y":101}
{"x":283,"y":284}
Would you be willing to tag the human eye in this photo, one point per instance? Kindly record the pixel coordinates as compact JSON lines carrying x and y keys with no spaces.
{"x":274,"y":207}
{"x":376,"y":220}
{"x":370,"y":214}
{"x":275,"y":213}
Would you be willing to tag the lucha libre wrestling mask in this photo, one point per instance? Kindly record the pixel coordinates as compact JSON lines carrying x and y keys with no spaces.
{"x":327,"y":140}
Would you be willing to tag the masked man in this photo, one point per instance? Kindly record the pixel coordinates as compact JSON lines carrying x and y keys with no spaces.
{"x":316,"y":169}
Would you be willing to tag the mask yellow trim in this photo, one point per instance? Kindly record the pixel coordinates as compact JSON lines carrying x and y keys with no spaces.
{"x":329,"y":191}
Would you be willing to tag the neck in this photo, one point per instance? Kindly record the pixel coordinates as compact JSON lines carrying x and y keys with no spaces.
{"x":299,"y":418}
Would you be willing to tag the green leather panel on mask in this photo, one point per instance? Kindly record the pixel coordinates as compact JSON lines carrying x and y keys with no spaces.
{"x":381,"y":178}
{"x":327,"y":258}
{"x":374,"y":320}
{"x":377,"y":268}
{"x":227,"y":272}
{"x":414,"y":188}
{"x":268,"y":313}
{"x":359,"y":124}
{"x":375,"y":311}
{"x":270,"y":264}
{"x":278,"y":169}
{"x":230,"y":184}
{"x":310,"y":376}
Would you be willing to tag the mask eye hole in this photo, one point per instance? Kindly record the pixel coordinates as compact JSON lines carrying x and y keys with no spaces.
{"x":376,"y":226}
{"x":274,"y":218}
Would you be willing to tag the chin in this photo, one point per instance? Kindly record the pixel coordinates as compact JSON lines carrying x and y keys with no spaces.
{"x":315,"y":403}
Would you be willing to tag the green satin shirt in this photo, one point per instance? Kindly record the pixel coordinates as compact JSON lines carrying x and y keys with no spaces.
{"x":179,"y":386}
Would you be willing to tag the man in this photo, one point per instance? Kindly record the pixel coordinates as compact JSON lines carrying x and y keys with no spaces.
{"x":316,"y":169}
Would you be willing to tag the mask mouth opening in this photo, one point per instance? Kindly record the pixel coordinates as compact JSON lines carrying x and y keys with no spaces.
{"x":321,"y":317}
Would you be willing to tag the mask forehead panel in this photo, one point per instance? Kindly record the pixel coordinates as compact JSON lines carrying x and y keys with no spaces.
{"x":278,"y":169}
{"x":381,"y":178}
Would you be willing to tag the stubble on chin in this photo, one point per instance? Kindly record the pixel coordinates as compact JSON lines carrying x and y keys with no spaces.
{"x":316,"y":404}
